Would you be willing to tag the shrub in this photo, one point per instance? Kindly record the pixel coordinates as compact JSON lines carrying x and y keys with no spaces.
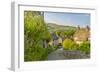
{"x":85,"y":47}
{"x":51,"y":49}
{"x":69,"y":45}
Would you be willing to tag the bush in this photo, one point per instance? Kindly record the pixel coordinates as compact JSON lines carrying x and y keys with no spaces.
{"x":51,"y":49}
{"x":85,"y":47}
{"x":69,"y":45}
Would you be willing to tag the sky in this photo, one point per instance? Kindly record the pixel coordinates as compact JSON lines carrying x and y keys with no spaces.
{"x":70,"y":19}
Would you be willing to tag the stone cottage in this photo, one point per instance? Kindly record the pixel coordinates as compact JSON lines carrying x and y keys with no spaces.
{"x":82,"y":34}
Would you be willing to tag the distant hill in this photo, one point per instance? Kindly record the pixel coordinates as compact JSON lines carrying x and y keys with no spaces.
{"x":54,"y":27}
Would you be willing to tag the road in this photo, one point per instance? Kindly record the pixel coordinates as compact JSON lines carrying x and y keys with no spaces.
{"x":59,"y":55}
{"x":56,"y":55}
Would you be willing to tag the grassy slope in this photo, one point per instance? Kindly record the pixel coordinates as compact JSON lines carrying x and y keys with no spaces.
{"x":54,"y":27}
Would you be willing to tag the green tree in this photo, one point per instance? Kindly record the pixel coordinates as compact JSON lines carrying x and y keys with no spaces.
{"x":69,"y":45}
{"x":35,"y":34}
{"x":69,"y":33}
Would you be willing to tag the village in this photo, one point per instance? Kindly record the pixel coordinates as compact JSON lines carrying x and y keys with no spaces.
{"x":45,"y":40}
{"x":79,"y":36}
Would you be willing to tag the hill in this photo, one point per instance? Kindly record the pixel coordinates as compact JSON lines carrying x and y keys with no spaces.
{"x":55,"y":27}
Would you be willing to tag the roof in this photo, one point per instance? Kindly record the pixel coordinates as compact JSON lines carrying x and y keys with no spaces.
{"x":54,"y":36}
{"x":82,"y":34}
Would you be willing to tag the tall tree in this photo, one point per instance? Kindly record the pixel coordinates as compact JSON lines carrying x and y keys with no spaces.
{"x":35,"y":34}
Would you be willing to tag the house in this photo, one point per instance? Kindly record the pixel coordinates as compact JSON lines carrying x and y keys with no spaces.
{"x":55,"y":39}
{"x":82,"y":34}
{"x":60,"y":41}
{"x":50,"y":43}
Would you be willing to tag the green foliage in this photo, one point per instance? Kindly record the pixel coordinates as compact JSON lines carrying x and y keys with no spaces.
{"x":56,"y":47}
{"x":35,"y":33}
{"x":69,"y":45}
{"x":65,"y":33}
{"x":69,"y":33}
{"x":36,"y":53}
{"x":85,"y":47}
{"x":31,"y":13}
{"x":51,"y":49}
{"x":35,"y":27}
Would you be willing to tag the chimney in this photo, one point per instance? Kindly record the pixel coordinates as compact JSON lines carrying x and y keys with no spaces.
{"x":87,"y":27}
{"x":78,"y":27}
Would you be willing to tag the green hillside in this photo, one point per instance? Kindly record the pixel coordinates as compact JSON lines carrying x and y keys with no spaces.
{"x":54,"y":27}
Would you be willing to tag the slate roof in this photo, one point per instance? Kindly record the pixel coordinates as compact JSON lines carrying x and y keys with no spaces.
{"x":54,"y":36}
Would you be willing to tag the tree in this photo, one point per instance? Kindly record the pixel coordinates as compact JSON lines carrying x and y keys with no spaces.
{"x":35,"y":34}
{"x":69,"y":33}
{"x":69,"y":45}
